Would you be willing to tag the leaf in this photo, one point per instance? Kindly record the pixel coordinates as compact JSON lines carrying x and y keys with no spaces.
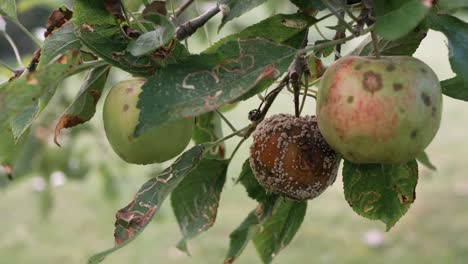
{"x":236,"y":8}
{"x":62,"y":40}
{"x":307,"y":4}
{"x":456,"y":88}
{"x":452,"y":4}
{"x":380,"y":192}
{"x":23,"y":93}
{"x":84,"y":106}
{"x":423,"y":158}
{"x":396,"y":18}
{"x":133,"y":219}
{"x":8,"y":9}
{"x":202,"y":83}
{"x":240,"y":237}
{"x":208,"y":128}
{"x":456,"y":32}
{"x":253,"y":188}
{"x":91,"y":12}
{"x":405,"y":46}
{"x":195,"y":200}
{"x":279,"y":229}
{"x":151,"y":41}
{"x":278,"y":28}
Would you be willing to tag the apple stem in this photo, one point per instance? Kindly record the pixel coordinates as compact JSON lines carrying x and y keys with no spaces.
{"x":375,"y":41}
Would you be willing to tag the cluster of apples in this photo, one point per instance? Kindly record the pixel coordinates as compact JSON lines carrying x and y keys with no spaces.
{"x":369,"y":110}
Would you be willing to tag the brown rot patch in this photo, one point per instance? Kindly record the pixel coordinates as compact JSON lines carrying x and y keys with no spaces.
{"x":397,"y":87}
{"x":414,"y":134}
{"x":125,"y":108}
{"x":390,"y":67}
{"x":350,"y":99}
{"x":426,"y":99}
{"x":372,"y":82}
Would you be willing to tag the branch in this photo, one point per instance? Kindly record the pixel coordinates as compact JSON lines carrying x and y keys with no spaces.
{"x":188,"y":28}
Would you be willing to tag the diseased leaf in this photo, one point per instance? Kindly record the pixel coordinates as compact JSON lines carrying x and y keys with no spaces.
{"x":240,"y":237}
{"x":8,"y":9}
{"x":456,"y":32}
{"x":202,"y":83}
{"x":253,"y":188}
{"x":456,"y":88}
{"x":380,"y":192}
{"x":84,"y":106}
{"x":396,"y":18}
{"x":133,"y":219}
{"x":208,"y":129}
{"x":195,"y":200}
{"x":279,"y":229}
{"x":60,"y":41}
{"x":236,"y":8}
{"x":22,"y":94}
{"x":423,"y":158}
{"x":151,"y":41}
{"x":405,"y":46}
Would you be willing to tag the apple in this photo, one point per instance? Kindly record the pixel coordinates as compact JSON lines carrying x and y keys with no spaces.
{"x":379,"y":110}
{"x":289,"y":157}
{"x":121,"y":115}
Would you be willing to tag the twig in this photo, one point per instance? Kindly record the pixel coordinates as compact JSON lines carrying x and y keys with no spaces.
{"x":320,"y":32}
{"x":188,"y":28}
{"x":306,"y":90}
{"x":375,"y":41}
{"x":182,"y":7}
{"x":237,"y":148}
{"x":15,"y":49}
{"x":226,"y":120}
{"x":338,"y":16}
{"x":337,"y":41}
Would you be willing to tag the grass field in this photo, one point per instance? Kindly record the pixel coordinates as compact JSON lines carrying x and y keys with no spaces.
{"x":435,"y":229}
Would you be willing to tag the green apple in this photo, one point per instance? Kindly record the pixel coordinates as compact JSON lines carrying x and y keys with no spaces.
{"x":379,"y":110}
{"x":121,"y":117}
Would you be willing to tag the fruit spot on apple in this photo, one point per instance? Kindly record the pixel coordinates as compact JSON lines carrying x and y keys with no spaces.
{"x":397,"y":87}
{"x":126,"y":107}
{"x":350,"y":99}
{"x":426,"y":99}
{"x":372,"y":82}
{"x":358,"y":67}
{"x":391,"y":67}
{"x":414,"y":134}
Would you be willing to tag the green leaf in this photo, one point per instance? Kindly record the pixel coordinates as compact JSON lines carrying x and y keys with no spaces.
{"x":305,"y":4}
{"x":91,"y":12}
{"x":151,"y":41}
{"x":456,"y":32}
{"x":405,"y":46}
{"x":62,"y":40}
{"x":8,"y":9}
{"x":133,"y":219}
{"x":380,"y":192}
{"x":202,"y":83}
{"x":208,"y":128}
{"x":278,"y":28}
{"x":236,"y":8}
{"x":279,"y":229}
{"x":456,"y":88}
{"x":241,"y":236}
{"x":423,"y":158}
{"x":253,"y":188}
{"x":396,"y":18}
{"x":22,"y":94}
{"x":195,"y":200}
{"x":452,"y":4}
{"x":84,"y":106}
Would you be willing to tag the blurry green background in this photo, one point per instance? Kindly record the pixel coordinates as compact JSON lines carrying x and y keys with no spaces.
{"x":66,"y":218}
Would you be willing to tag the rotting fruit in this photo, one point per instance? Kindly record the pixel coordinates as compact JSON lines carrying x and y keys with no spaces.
{"x":384,"y":110}
{"x":120,"y":118}
{"x":290,"y":157}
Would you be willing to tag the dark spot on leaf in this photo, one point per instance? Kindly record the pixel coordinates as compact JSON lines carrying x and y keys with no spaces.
{"x":397,"y":87}
{"x":391,"y":67}
{"x":372,"y":82}
{"x":125,"y":108}
{"x":414,"y":134}
{"x":426,"y":99}
{"x":350,"y":99}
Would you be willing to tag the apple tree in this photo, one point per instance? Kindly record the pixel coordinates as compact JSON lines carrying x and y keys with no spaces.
{"x":378,"y":108}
